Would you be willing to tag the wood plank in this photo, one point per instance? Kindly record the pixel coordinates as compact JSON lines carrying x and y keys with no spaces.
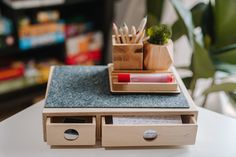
{"x":132,"y":135}
{"x":55,"y":133}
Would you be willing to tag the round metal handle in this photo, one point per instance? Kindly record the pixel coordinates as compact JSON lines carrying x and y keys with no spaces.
{"x":150,"y":135}
{"x":71,"y":134}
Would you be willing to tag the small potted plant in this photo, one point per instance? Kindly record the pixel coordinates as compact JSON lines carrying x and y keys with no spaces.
{"x":158,"y":50}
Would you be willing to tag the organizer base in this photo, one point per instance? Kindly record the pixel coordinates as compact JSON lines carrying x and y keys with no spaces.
{"x":59,"y":119}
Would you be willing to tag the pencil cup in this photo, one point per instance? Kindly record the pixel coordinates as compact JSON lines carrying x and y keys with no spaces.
{"x":127,"y":56}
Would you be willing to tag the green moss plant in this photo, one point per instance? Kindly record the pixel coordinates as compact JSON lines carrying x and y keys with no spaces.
{"x":159,"y":34}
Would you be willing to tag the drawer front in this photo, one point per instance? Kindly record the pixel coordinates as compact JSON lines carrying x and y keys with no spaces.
{"x":139,"y":135}
{"x":71,"y":133}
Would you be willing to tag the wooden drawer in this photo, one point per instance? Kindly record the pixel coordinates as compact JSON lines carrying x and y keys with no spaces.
{"x":71,"y":131}
{"x":118,"y":135}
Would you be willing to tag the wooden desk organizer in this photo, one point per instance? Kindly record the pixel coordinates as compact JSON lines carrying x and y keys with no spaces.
{"x":90,"y":126}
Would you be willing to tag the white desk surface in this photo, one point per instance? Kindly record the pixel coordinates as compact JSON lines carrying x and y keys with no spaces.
{"x":22,"y":136}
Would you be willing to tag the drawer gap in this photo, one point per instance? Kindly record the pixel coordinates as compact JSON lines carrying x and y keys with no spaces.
{"x":72,"y":119}
{"x":181,"y":119}
{"x":188,"y":119}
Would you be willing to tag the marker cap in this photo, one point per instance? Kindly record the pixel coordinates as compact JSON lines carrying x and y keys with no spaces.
{"x":170,"y":78}
{"x":123,"y":77}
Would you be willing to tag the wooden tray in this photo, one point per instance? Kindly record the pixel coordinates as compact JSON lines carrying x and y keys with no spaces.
{"x":121,"y":87}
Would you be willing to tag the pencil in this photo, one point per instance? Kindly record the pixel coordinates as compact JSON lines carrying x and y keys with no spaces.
{"x":115,"y":30}
{"x":133,"y":32}
{"x":141,"y":36}
{"x":142,"y":25}
{"x":126,"y":32}
{"x":122,"y":35}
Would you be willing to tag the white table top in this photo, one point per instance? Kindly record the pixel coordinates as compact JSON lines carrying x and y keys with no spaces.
{"x":22,"y":136}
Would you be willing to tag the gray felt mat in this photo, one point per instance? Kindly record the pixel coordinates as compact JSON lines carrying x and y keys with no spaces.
{"x":88,"y":87}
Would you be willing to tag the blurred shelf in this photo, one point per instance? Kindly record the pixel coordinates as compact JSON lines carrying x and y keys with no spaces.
{"x":4,"y":52}
{"x":20,"y":98}
{"x":7,"y":51}
{"x":100,"y":12}
{"x":47,"y":5}
{"x":28,"y":92}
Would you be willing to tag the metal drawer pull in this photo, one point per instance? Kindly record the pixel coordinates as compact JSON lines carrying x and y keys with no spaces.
{"x":150,"y":135}
{"x":71,"y":134}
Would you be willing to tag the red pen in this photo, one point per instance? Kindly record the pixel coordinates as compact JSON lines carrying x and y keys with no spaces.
{"x":164,"y":78}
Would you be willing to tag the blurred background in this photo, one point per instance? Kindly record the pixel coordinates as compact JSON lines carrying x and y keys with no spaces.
{"x":35,"y":34}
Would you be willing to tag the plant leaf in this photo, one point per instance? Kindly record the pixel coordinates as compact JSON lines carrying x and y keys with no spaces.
{"x":227,"y":56}
{"x":227,"y":87}
{"x":197,"y":13}
{"x":207,"y":25}
{"x":178,"y":30}
{"x":232,"y":97}
{"x":225,"y":67}
{"x":187,"y":81}
{"x":202,"y":65}
{"x":154,"y":11}
{"x":224,"y":13}
{"x":186,"y":17}
{"x":224,"y":49}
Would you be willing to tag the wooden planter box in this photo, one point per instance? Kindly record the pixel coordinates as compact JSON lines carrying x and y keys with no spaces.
{"x":158,"y":57}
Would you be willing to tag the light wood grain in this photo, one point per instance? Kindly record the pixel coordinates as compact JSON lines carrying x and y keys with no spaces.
{"x":126,"y":87}
{"x":44,"y":116}
{"x":127,"y":56}
{"x":55,"y":133}
{"x":158,"y":57}
{"x":102,"y":112}
{"x":132,"y":135}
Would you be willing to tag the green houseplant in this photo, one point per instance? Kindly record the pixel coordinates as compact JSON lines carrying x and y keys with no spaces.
{"x":158,"y":51}
{"x":214,"y":46}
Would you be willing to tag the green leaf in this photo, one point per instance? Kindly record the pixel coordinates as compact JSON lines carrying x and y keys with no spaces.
{"x":152,"y":20}
{"x":224,"y":13}
{"x":154,"y":11}
{"x":187,"y":81}
{"x":186,"y":17}
{"x":227,"y":87}
{"x":227,"y":56}
{"x":202,"y":65}
{"x":159,"y":34}
{"x":225,"y":67}
{"x":207,"y":26}
{"x":197,"y":13}
{"x":232,"y":97}
{"x":224,"y":49}
{"x":178,"y":30}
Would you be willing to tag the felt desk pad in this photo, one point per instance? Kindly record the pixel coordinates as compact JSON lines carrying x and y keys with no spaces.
{"x":88,"y":87}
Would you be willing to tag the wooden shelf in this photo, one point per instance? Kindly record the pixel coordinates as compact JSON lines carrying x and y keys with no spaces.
{"x":56,"y":5}
{"x":23,"y":92}
{"x":101,"y":15}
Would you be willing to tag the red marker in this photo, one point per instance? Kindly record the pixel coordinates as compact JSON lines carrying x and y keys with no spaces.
{"x":165,"y":78}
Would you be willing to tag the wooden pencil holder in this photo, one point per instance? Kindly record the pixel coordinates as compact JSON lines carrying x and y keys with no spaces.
{"x":127,"y":56}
